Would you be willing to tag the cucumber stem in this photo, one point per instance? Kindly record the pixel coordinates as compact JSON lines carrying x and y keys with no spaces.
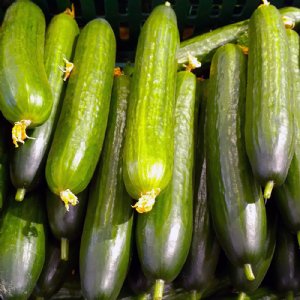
{"x":158,"y":289}
{"x":242,"y":296}
{"x":290,"y":295}
{"x":20,"y":194}
{"x":298,"y":238}
{"x":64,"y":249}
{"x":248,"y":272}
{"x":268,"y":189}
{"x":195,"y":295}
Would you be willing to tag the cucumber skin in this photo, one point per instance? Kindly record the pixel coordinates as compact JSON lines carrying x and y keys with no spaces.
{"x":204,"y":45}
{"x":235,"y":200}
{"x":288,"y":195}
{"x":28,"y":162}
{"x":80,"y":131}
{"x":148,"y":150}
{"x":66,"y":224}
{"x":199,"y":269}
{"x":25,"y":93}
{"x":163,"y":236}
{"x":269,"y":132}
{"x":106,"y":239}
{"x":22,"y":252}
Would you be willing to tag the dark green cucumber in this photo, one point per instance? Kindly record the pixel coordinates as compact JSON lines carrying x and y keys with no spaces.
{"x":22,"y":251}
{"x":237,"y":275}
{"x":80,"y":131}
{"x":269,"y":127}
{"x":286,"y":262}
{"x":106,"y":239}
{"x":54,"y":271}
{"x":235,"y":200}
{"x":25,"y":93}
{"x":199,"y":269}
{"x":204,"y":45}
{"x":288,"y":195}
{"x":66,"y":225}
{"x":28,"y":162}
{"x":4,"y":160}
{"x":148,"y":150}
{"x":163,"y":236}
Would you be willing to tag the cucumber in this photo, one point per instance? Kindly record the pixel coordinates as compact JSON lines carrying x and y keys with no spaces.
{"x":236,"y":274}
{"x":54,"y":271}
{"x":25,"y":94}
{"x":199,"y":269}
{"x":4,"y":161}
{"x":79,"y":134}
{"x":269,"y":127}
{"x":65,"y":225}
{"x":235,"y":200}
{"x":28,"y":162}
{"x":22,"y":251}
{"x":106,"y":239}
{"x":148,"y":150}
{"x":163,"y":236}
{"x":203,"y":46}
{"x":288,"y":195}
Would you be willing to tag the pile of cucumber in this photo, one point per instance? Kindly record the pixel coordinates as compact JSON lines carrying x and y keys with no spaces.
{"x":157,"y":181}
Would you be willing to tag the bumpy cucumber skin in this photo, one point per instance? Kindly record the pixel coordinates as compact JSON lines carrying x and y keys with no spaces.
{"x":28,"y":162}
{"x":164,"y":235}
{"x":235,"y":200}
{"x":4,"y":160}
{"x":22,"y":252}
{"x":269,"y":128}
{"x":66,"y":224}
{"x":199,"y":269}
{"x":148,"y":150}
{"x":25,"y":93}
{"x":106,"y":239}
{"x":80,"y":131}
{"x":288,"y":195}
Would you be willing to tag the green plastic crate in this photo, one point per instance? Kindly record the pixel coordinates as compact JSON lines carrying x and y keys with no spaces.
{"x":194,"y":16}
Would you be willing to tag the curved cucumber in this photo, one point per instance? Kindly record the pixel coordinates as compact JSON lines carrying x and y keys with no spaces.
{"x":288,"y":195}
{"x":235,"y":200}
{"x":163,"y":236}
{"x":25,"y":94}
{"x":204,"y":45}
{"x":106,"y":240}
{"x":28,"y":162}
{"x":79,"y":134}
{"x":22,"y":251}
{"x":199,"y":269}
{"x":269,"y":128}
{"x":4,"y":160}
{"x":66,"y":225}
{"x":148,"y":150}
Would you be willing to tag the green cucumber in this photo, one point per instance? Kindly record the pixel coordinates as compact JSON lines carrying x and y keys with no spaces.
{"x":22,"y":251}
{"x":25,"y":94}
{"x":4,"y":161}
{"x":288,"y":195}
{"x":54,"y":271}
{"x":269,"y":127}
{"x":65,"y":225}
{"x":235,"y":200}
{"x":163,"y":236}
{"x":236,"y":274}
{"x":203,"y":46}
{"x":148,"y":150}
{"x":106,"y":239}
{"x":28,"y":162}
{"x":199,"y":269}
{"x":80,"y":131}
